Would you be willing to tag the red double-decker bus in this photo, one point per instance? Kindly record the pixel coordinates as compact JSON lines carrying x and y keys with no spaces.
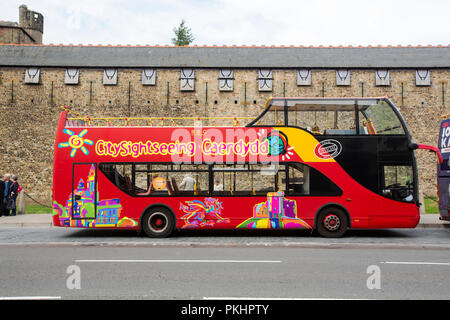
{"x":327,"y":164}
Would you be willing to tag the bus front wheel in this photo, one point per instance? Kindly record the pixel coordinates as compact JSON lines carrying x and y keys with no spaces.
{"x":158,"y":223}
{"x":332,"y":222}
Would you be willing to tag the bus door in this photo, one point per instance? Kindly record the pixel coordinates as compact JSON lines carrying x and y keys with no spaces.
{"x":84,"y":191}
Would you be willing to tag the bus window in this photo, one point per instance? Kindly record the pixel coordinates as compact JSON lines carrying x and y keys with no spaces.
{"x":119,"y":175}
{"x":158,"y":179}
{"x":298,"y":179}
{"x":274,"y":117}
{"x":245,"y":180}
{"x":379,"y":119}
{"x":324,"y":120}
{"x":398,"y":182}
{"x":316,"y":121}
{"x":304,"y":180}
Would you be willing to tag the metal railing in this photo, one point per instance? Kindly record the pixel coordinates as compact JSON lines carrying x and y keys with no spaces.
{"x":82,"y":121}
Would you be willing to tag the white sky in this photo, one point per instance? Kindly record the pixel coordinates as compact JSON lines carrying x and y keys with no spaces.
{"x":260,"y":22}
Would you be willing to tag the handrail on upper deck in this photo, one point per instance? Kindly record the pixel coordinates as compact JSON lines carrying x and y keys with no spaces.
{"x":80,"y":120}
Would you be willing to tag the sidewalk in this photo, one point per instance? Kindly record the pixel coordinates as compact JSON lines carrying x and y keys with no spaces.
{"x":45,"y":220}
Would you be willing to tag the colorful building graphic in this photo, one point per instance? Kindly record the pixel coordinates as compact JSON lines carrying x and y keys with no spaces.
{"x":275,"y":213}
{"x":200,"y":214}
{"x":84,"y":209}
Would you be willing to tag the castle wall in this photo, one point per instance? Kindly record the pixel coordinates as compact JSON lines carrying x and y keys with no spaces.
{"x":16,"y":35}
{"x":29,"y":112}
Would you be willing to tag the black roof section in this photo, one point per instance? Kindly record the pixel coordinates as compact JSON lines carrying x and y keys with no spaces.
{"x":223,"y":57}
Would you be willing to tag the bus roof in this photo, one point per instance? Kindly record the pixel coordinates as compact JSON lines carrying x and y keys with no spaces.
{"x":322,"y":104}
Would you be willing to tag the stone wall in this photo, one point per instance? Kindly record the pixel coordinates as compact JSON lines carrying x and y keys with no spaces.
{"x":29,"y":113}
{"x":10,"y":34}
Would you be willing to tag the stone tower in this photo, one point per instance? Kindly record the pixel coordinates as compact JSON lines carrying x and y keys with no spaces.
{"x":32,"y":22}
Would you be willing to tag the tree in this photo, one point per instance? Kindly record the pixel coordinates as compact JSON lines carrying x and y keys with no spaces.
{"x":183,"y":35}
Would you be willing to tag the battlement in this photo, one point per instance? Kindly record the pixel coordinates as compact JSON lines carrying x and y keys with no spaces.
{"x":32,"y":22}
{"x":30,"y":19}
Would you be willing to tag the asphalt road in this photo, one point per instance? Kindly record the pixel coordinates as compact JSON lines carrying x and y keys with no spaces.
{"x":212,"y":273}
{"x":34,"y":264}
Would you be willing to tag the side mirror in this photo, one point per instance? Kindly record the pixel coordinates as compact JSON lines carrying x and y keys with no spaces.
{"x":413,"y":146}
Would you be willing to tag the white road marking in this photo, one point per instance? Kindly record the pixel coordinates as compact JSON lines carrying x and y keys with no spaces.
{"x":255,"y":298}
{"x":30,"y":298}
{"x":184,"y":261}
{"x":418,"y":263}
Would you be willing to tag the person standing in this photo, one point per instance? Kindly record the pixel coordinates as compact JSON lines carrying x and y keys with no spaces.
{"x":13,"y":192}
{"x":5,"y":193}
{"x":188,"y":183}
{"x":2,"y":196}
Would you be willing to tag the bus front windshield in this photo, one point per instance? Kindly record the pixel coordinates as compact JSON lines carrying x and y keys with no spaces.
{"x":382,"y":118}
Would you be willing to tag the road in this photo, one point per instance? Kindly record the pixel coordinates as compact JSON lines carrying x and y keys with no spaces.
{"x":35,"y":262}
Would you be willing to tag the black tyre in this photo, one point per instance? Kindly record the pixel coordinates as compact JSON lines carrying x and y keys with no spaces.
{"x":332,"y":222}
{"x":158,"y":223}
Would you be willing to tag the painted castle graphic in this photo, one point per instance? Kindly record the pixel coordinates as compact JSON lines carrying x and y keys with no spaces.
{"x":275,"y":213}
{"x":83,"y":208}
{"x":202,"y":213}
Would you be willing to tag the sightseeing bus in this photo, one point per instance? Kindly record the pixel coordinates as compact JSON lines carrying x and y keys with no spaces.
{"x":327,"y":164}
{"x":444,"y":168}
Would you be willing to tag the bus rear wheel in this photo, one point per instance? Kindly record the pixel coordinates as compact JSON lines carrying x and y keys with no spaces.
{"x":158,"y":223}
{"x":332,"y":222}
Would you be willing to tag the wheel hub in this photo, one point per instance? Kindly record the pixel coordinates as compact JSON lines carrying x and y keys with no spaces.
{"x":332,"y":222}
{"x":157,"y":222}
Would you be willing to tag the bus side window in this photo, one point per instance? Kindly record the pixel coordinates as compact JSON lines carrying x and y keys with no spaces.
{"x":246,"y":180}
{"x":119,"y":175}
{"x":298,"y":179}
{"x":305,"y":180}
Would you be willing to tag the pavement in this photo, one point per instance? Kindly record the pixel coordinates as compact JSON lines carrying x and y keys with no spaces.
{"x":45,"y":220}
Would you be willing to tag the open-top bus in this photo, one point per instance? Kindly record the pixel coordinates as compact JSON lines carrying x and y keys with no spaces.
{"x":327,"y":164}
{"x":444,"y":168}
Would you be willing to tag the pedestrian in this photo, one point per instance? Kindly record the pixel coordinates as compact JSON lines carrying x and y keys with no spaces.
{"x":5,"y":192}
{"x":2,"y":202}
{"x":13,"y":193}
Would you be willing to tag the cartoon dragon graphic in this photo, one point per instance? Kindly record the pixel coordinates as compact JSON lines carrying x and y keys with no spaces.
{"x":202,"y":213}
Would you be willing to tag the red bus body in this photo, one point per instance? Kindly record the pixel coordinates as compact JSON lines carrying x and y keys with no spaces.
{"x":78,"y":180}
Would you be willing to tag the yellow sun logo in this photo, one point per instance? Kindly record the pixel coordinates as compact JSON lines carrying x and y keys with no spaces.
{"x":76,"y":142}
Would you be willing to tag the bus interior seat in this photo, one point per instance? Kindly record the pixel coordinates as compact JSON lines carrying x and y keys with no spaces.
{"x":128,"y":185}
{"x":169,"y":188}
{"x":197,"y":189}
{"x":370,"y":127}
{"x":298,"y":188}
{"x":315,"y":129}
{"x":149,"y":191}
{"x":175,"y":186}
